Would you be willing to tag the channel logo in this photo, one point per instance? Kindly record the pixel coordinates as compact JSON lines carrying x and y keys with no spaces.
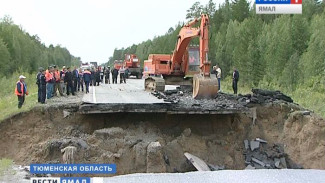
{"x":70,"y":169}
{"x":67,"y":180}
{"x":278,"y":6}
{"x":61,"y":180}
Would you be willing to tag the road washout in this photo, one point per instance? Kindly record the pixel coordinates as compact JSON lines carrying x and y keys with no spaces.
{"x":156,"y":142}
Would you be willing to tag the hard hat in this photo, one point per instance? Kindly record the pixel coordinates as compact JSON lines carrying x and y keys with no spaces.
{"x":22,"y":77}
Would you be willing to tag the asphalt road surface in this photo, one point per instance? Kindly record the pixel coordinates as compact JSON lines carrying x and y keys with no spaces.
{"x":239,"y":176}
{"x":132,"y":92}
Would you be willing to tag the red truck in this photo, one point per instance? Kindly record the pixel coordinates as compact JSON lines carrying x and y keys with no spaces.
{"x":118,"y":64}
{"x":132,"y":63}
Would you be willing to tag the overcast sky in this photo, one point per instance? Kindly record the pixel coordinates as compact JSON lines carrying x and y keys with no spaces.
{"x":91,"y":29}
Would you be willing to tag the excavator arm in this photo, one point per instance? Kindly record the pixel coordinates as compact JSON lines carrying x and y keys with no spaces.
{"x":186,"y":34}
{"x":204,"y":45}
{"x":204,"y":86}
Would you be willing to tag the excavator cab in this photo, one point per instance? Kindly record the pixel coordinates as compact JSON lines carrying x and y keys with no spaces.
{"x":193,"y":66}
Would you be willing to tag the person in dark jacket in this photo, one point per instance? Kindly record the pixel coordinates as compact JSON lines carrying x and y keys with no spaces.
{"x":21,"y":90}
{"x":114,"y":75}
{"x":235,"y":79}
{"x":87,"y":79}
{"x":68,"y":79}
{"x":80,"y":80}
{"x":101,"y":73}
{"x":107,"y":75}
{"x":97,"y":77}
{"x":40,"y":70}
{"x":126,"y":73}
{"x":214,"y":71}
{"x":92,"y":82}
{"x":43,"y":87}
{"x":75,"y":75}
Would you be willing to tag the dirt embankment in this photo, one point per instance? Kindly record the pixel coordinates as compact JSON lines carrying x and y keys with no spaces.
{"x":131,"y":140}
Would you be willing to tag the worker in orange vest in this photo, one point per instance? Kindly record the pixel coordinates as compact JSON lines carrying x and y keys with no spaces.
{"x":49,"y":82}
{"x":57,"y":84}
{"x":21,"y":90}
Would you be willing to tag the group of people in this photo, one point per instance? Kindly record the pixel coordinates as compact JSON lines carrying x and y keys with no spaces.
{"x":51,"y":81}
{"x":235,"y":78}
{"x":123,"y":72}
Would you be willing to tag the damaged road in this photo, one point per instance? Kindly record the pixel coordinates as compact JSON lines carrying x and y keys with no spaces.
{"x":274,"y":133}
{"x":131,"y":97}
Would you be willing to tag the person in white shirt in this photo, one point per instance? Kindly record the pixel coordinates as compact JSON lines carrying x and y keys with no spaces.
{"x":122,"y":76}
{"x":218,"y":76}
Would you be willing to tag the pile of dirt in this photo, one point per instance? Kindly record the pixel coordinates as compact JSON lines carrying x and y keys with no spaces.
{"x":260,"y":96}
{"x":222,"y":100}
{"x":184,"y":99}
{"x":156,"y":142}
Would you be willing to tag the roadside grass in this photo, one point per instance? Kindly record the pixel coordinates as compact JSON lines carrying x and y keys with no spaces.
{"x":226,"y":87}
{"x":5,"y":164}
{"x":309,"y":97}
{"x":8,"y":99}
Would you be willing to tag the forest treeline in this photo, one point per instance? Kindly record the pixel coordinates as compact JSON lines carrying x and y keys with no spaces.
{"x":270,"y":51}
{"x":22,"y":52}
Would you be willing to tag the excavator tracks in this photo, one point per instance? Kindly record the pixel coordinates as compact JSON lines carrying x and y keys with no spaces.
{"x":154,"y":84}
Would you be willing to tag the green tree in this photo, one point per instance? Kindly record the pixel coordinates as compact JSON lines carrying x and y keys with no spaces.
{"x":195,"y":11}
{"x":291,"y":73}
{"x":313,"y":60}
{"x":4,"y":57}
{"x":240,"y":10}
{"x":210,"y":8}
{"x":20,"y":51}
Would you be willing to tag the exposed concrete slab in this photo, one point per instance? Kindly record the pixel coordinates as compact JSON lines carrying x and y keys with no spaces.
{"x":250,"y":167}
{"x":254,"y":145}
{"x":261,"y":140}
{"x":277,"y":162}
{"x":258,"y":162}
{"x":283,"y":162}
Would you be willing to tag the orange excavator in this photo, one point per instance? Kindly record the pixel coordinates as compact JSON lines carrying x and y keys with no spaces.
{"x":188,"y":65}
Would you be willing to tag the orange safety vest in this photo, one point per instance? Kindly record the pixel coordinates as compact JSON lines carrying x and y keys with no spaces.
{"x":57,"y":75}
{"x":21,"y":89}
{"x":48,"y":75}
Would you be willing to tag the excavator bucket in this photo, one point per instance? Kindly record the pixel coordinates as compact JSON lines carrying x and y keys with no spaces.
{"x":204,"y":87}
{"x":154,"y":84}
